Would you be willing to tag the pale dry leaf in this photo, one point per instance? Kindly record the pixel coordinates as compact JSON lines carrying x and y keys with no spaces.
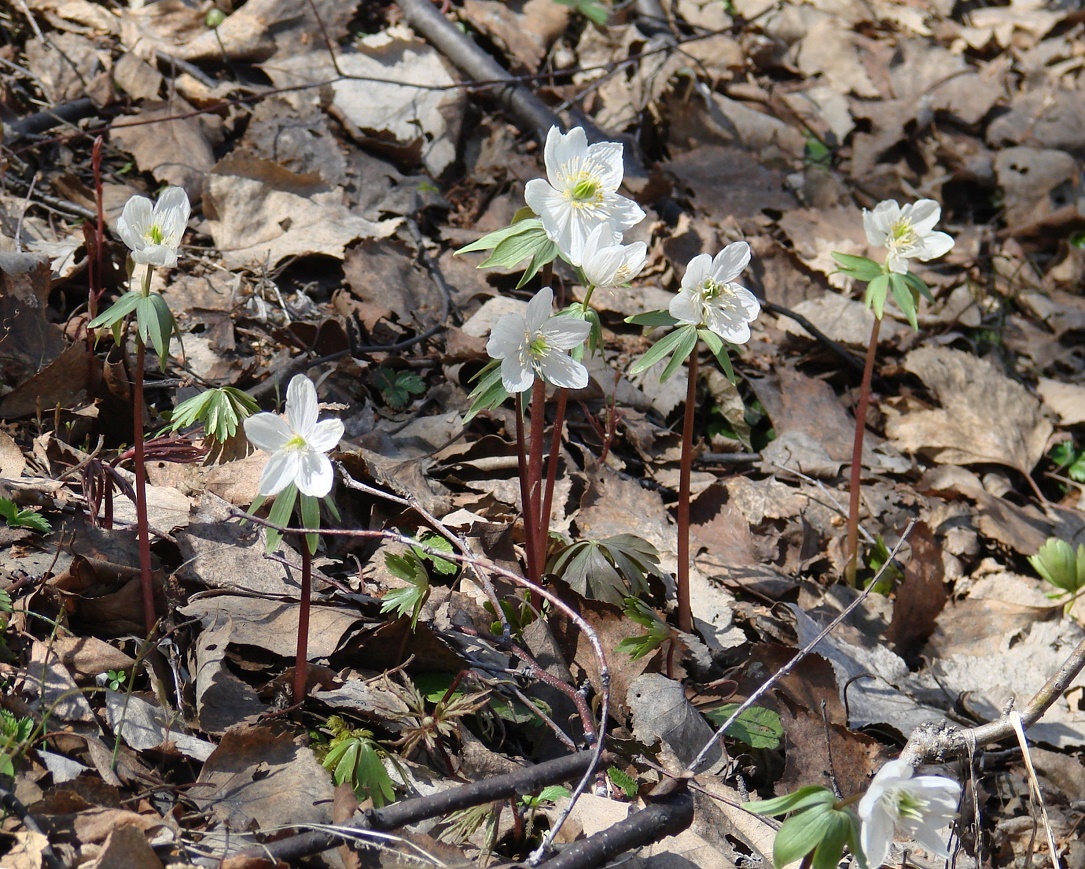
{"x":833,"y":51}
{"x":661,"y":711}
{"x":260,"y":213}
{"x":1065,"y":400}
{"x":176,"y":149}
{"x":984,"y":417}
{"x":144,"y":725}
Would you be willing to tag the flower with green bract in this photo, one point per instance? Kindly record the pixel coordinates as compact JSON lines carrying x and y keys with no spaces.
{"x":580,"y":191}
{"x":710,"y":298}
{"x":899,"y":803}
{"x":537,"y":343}
{"x":297,"y":441}
{"x":153,"y":233}
{"x":906,"y":233}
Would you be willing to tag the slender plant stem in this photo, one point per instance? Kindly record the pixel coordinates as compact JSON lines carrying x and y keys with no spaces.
{"x":685,"y":611}
{"x":857,"y":456}
{"x":552,"y":470}
{"x":530,"y":523}
{"x":142,"y":525}
{"x":301,"y":662}
{"x":534,"y":471}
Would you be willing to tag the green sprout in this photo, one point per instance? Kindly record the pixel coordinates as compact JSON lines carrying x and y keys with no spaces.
{"x":658,"y":631}
{"x":355,"y":758}
{"x":220,"y":410}
{"x":397,"y":387}
{"x":17,"y":518}
{"x":1058,"y":563}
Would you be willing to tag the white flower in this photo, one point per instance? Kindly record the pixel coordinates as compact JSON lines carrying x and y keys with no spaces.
{"x":906,"y":233}
{"x":709,"y":296}
{"x":915,"y":807}
{"x":154,"y":234}
{"x":608,"y":262}
{"x":579,"y":192}
{"x":537,"y":343}
{"x":297,"y":443}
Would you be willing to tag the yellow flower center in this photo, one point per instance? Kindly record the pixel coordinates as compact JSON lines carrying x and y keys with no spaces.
{"x":155,"y":234}
{"x":297,"y":442}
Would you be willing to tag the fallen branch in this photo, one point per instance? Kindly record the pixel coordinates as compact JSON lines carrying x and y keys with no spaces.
{"x":528,"y":780}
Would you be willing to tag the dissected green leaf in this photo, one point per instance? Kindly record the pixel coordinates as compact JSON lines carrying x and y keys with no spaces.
{"x":609,"y":569}
{"x":680,"y":342}
{"x":859,"y":267}
{"x":27,"y":518}
{"x":623,"y":781}
{"x":490,"y":391}
{"x":397,"y":387}
{"x":409,"y":600}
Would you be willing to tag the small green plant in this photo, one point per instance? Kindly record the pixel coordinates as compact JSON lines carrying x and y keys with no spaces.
{"x":1058,"y":563}
{"x":17,"y":518}
{"x":1069,"y":460}
{"x":354,"y":757}
{"x":220,"y":411}
{"x":757,"y":726}
{"x":15,"y":734}
{"x":817,"y":824}
{"x":396,"y":387}
{"x":116,"y":679}
{"x":409,"y":600}
{"x":623,"y":781}
{"x":550,"y":794}
{"x":609,"y":569}
{"x":657,"y":630}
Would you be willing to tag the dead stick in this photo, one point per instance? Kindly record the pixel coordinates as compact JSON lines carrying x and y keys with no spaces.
{"x":523,"y":781}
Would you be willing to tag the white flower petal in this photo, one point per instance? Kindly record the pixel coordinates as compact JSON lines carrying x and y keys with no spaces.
{"x":697,"y":272}
{"x":565,"y":332}
{"x":605,"y":159}
{"x":517,"y":375}
{"x":267,"y":431}
{"x":280,"y":471}
{"x":730,"y":262}
{"x":686,"y":307}
{"x":936,"y":244}
{"x":728,"y":323}
{"x":506,"y":336}
{"x":876,"y":837}
{"x":623,"y":213}
{"x":302,"y":406}
{"x":539,"y":310}
{"x":326,"y":435}
{"x":134,"y":221}
{"x":155,"y":255}
{"x":923,"y":215}
{"x":315,"y":476}
{"x":171,"y":213}
{"x":562,"y":370}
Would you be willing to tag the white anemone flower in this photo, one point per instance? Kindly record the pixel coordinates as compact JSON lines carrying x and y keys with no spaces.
{"x":537,"y":342}
{"x":914,"y":807}
{"x":297,"y":442}
{"x":906,"y":233}
{"x":608,"y":262}
{"x":580,"y":191}
{"x":154,"y":234}
{"x":710,"y":297}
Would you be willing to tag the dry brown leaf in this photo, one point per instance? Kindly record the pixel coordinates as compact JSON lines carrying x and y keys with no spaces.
{"x":175,"y":149}
{"x":1065,"y":400}
{"x":127,"y":846}
{"x":258,"y":776}
{"x":985,"y":416}
{"x":259,"y":213}
{"x":835,"y":51}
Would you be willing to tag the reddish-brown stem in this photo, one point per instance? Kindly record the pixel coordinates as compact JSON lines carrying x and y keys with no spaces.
{"x":852,"y":567}
{"x":301,"y":661}
{"x":552,"y":472}
{"x":142,"y":527}
{"x":685,"y":612}
{"x":534,"y":472}
{"x":530,"y":525}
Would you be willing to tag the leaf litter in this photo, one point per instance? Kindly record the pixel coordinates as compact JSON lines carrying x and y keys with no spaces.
{"x":331,"y":192}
